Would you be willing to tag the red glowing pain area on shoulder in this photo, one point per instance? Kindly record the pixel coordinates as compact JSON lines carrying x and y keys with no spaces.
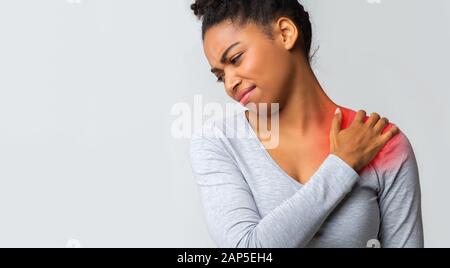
{"x":392,"y":153}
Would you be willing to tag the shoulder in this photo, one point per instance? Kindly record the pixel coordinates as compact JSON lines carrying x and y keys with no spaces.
{"x":216,"y":130}
{"x":211,"y":156}
{"x":394,"y":153}
{"x":211,"y":142}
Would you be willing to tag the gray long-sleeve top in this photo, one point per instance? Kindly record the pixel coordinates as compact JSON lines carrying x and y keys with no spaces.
{"x":249,"y":201}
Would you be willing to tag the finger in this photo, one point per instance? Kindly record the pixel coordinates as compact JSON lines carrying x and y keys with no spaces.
{"x":389,"y":134}
{"x":359,"y":117}
{"x":380,"y":125}
{"x":373,"y":119}
{"x":337,"y":121}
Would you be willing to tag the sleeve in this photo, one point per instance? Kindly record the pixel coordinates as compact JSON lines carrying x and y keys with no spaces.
{"x":400,"y":197}
{"x":232,"y":215}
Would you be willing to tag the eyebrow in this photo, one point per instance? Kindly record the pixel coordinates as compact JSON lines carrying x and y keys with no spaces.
{"x":223,"y":59}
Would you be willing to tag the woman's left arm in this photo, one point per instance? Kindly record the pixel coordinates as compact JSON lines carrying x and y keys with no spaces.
{"x":400,"y":196}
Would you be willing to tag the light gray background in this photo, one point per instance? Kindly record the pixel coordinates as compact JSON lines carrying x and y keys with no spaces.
{"x":87,"y":88}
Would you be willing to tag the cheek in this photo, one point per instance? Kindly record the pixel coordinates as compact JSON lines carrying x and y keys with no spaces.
{"x":253,"y":66}
{"x":270,"y":70}
{"x":260,"y":65}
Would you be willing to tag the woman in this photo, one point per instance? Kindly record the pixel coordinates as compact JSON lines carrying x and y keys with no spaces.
{"x":337,"y":177}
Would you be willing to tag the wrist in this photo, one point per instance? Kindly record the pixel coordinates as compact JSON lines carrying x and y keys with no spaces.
{"x":348,"y":160}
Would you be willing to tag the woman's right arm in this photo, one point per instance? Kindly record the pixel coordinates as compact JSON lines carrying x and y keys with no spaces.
{"x":231,"y":213}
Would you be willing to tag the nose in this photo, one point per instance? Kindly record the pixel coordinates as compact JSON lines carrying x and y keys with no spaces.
{"x":231,"y":83}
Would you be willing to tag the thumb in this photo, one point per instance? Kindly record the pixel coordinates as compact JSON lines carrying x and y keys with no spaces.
{"x":337,"y":121}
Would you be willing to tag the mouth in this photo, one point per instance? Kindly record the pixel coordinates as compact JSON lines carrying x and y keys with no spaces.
{"x":243,"y":95}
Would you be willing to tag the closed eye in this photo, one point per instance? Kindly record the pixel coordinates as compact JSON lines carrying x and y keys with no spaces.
{"x":235,"y":59}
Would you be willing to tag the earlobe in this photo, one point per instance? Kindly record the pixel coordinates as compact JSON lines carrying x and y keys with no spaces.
{"x":288,"y":32}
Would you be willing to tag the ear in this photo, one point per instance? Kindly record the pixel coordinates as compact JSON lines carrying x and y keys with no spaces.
{"x":288,"y":32}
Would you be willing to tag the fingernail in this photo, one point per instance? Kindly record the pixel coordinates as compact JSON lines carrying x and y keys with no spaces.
{"x":338,"y":110}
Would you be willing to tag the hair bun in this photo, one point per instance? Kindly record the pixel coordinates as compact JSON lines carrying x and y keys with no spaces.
{"x":196,"y":9}
{"x":200,"y":7}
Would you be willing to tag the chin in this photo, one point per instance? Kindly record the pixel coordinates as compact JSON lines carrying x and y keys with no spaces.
{"x":262,"y":106}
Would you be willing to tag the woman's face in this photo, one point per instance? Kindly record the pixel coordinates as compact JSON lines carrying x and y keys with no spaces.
{"x":244,"y":57}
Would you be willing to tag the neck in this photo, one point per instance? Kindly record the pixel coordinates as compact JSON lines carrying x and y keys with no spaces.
{"x":307,"y":109}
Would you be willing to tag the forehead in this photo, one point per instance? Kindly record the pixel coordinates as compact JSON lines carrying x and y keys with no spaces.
{"x":220,"y":36}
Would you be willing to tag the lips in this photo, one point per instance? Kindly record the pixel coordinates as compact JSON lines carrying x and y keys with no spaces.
{"x":241,"y":93}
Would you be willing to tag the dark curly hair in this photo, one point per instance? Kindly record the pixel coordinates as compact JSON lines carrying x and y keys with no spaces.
{"x":262,"y":12}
